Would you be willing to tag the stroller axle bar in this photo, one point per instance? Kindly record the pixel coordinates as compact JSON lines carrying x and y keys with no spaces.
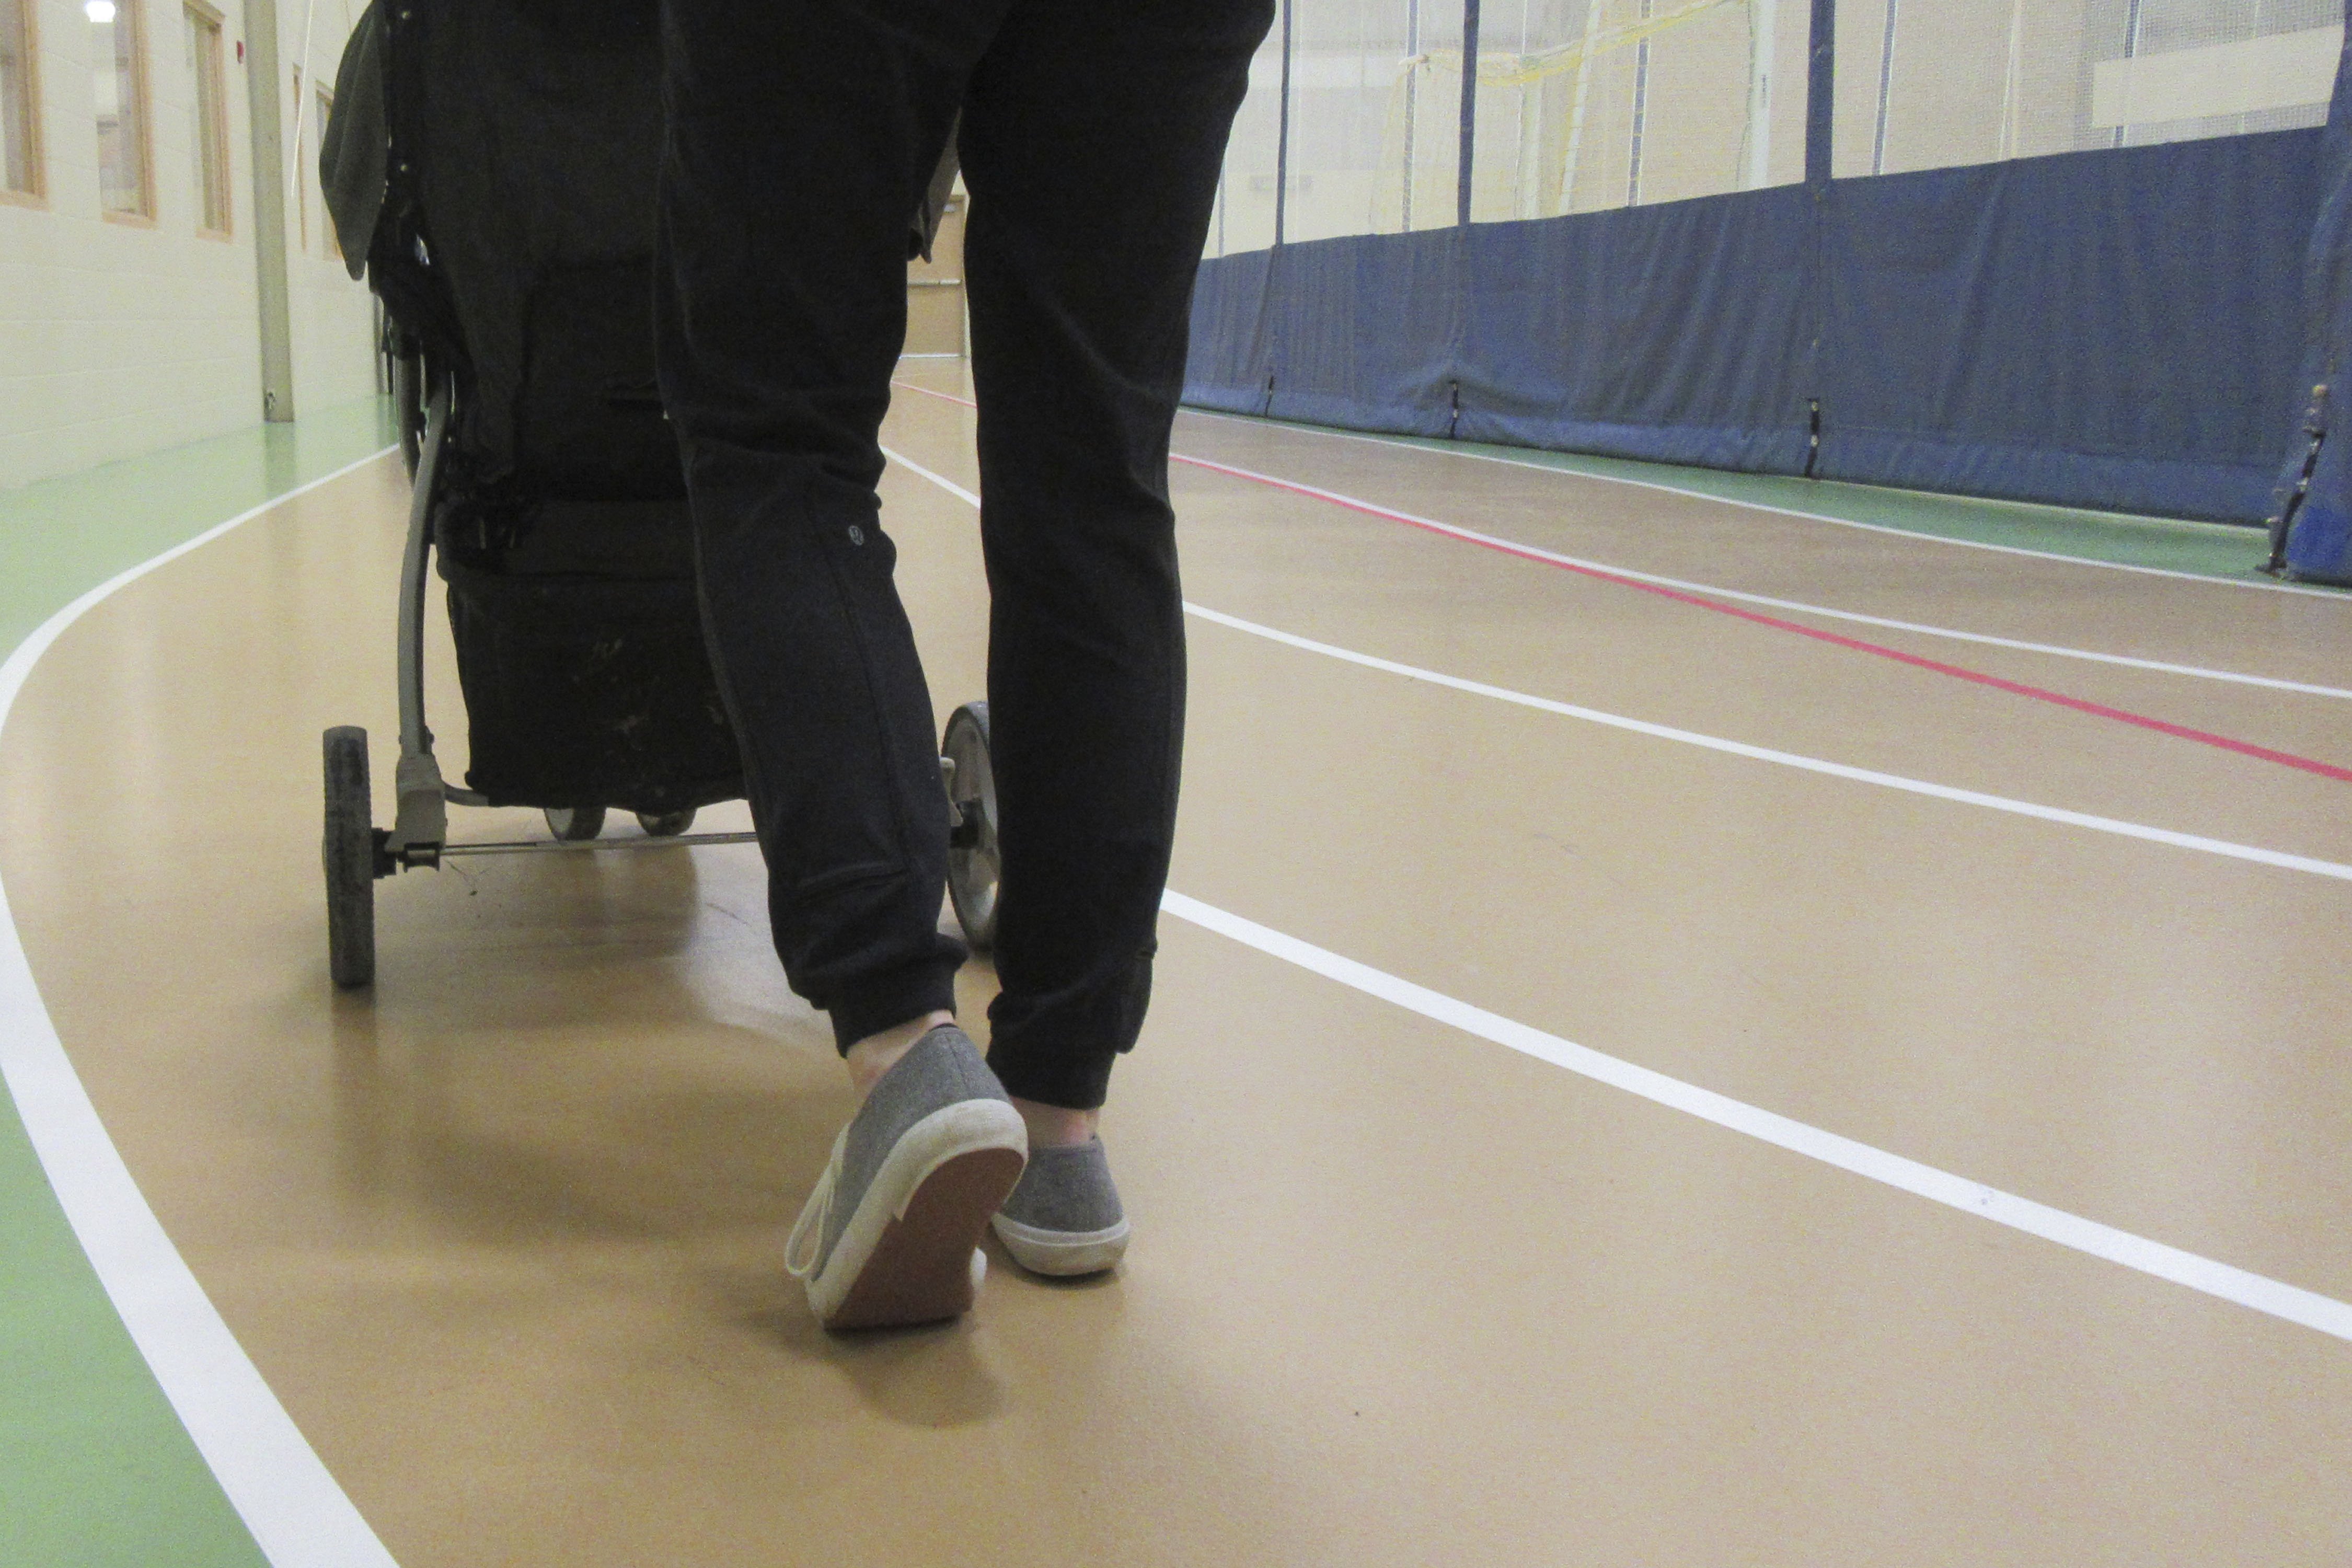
{"x":593,"y":845}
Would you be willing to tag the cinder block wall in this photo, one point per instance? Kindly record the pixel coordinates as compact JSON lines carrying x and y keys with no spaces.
{"x":118,"y":338}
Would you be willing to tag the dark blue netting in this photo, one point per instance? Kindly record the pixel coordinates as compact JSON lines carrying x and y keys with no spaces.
{"x":2120,"y":330}
{"x":2134,"y":330}
{"x":2117,"y":330}
{"x":2320,"y":547}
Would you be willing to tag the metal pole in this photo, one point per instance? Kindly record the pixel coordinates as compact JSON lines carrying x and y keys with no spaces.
{"x":2131,"y":52}
{"x":1412,"y":69}
{"x":1885,"y":89}
{"x":1763,"y":47}
{"x":1469,"y":112}
{"x":1282,"y":133}
{"x":1576,"y":111}
{"x":1641,"y":113}
{"x":267,"y":114}
{"x":2013,"y":80}
{"x":294,"y":133}
{"x":1527,"y":179}
{"x":1821,"y":97}
{"x":1821,"y":103}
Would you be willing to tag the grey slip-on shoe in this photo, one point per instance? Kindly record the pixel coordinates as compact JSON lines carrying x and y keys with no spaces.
{"x":889,"y":1237}
{"x":1064,"y":1218}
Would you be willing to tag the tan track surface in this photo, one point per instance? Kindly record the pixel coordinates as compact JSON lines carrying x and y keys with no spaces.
{"x":506,"y":1237}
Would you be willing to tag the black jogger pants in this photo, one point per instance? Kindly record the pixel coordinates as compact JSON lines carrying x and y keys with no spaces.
{"x":802,"y":133}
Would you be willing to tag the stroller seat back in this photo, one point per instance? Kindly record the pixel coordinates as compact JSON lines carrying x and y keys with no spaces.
{"x":513,"y":245}
{"x":538,"y":127}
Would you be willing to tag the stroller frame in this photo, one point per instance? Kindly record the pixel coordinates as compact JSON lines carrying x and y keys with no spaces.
{"x":372,"y":169}
{"x":357,"y":854}
{"x":419,"y":833}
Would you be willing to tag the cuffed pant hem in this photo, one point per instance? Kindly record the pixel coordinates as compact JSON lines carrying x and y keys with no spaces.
{"x":1072,"y":1082}
{"x":888,"y":1000}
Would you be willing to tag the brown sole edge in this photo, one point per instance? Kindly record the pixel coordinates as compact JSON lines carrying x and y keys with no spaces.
{"x":920,"y":1271}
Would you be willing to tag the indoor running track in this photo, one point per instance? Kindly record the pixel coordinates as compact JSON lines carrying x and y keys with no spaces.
{"x":1661,"y":1053}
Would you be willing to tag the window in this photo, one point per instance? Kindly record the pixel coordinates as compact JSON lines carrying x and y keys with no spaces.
{"x":1933,"y":86}
{"x":126,"y":186}
{"x":327,"y":220}
{"x":209,"y":112}
{"x":1574,"y":106}
{"x":20,"y":121}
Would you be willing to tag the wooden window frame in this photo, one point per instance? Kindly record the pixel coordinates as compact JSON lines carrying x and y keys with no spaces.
{"x":301,"y":180}
{"x":323,"y":98}
{"x":142,"y":93}
{"x":36,"y":156}
{"x":216,"y":131}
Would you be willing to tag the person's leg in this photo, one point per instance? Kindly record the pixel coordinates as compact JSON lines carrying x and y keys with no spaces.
{"x":1091,"y":141}
{"x":801,"y":137}
{"x":802,"y":133}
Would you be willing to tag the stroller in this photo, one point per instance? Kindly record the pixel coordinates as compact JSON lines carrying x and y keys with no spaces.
{"x":490,"y":169}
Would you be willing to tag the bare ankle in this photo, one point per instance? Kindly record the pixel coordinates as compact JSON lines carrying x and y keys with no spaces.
{"x":1055,"y":1126}
{"x":878,"y":1053}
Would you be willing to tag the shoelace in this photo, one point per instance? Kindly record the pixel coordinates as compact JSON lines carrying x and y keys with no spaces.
{"x":801,"y":1255}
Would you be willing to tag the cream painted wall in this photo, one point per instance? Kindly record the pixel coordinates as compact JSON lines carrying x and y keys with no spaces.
{"x":334,"y":335}
{"x":118,"y":339}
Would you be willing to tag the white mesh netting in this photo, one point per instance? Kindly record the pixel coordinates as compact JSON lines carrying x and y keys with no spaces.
{"x":1929,"y":84}
{"x":1586,"y":105}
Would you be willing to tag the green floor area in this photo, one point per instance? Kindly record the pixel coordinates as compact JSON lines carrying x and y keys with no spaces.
{"x":62,"y":537}
{"x":2204,"y":549}
{"x":99,"y":1472}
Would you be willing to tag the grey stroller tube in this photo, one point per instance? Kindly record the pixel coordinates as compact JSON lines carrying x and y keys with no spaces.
{"x":423,"y":818}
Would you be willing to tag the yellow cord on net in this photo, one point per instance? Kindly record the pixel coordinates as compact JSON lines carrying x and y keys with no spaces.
{"x":1420,"y":77}
{"x":1498,"y":70}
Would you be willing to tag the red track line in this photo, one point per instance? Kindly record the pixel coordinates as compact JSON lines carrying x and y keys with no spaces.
{"x":1958,"y":672}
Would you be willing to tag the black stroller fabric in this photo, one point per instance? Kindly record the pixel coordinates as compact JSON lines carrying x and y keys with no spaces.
{"x":512,"y":239}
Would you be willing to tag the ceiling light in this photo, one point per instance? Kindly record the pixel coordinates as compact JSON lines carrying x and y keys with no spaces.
{"x":98,"y":11}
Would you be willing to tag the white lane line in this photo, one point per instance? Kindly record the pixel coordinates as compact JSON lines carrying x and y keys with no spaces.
{"x":1790,"y":759}
{"x":2338,"y":596}
{"x":296,"y":1512}
{"x":941,"y":481}
{"x":1512,"y":546}
{"x":2141,"y":831}
{"x":2271,"y":1296}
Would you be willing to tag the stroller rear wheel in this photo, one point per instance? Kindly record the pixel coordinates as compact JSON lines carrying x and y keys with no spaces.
{"x":973,"y":866}
{"x":666,"y":824}
{"x":574,"y":823}
{"x":350,"y":854}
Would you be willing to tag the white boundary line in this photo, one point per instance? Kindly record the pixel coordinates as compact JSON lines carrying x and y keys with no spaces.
{"x":298,"y":1513}
{"x":1516,"y":547}
{"x":2337,"y":595}
{"x":941,"y":481}
{"x":2261,"y":857}
{"x":2271,"y":1296}
{"x":1792,"y":760}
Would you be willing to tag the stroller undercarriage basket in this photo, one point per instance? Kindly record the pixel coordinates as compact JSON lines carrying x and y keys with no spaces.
{"x":585,"y":692}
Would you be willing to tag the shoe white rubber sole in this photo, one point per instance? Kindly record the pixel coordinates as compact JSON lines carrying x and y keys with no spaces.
{"x":1062,"y":1253}
{"x":909,"y":1254}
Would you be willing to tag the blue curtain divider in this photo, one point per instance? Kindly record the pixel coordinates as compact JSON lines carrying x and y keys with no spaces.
{"x":2120,"y":330}
{"x":2320,"y":546}
{"x":2124,"y":330}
